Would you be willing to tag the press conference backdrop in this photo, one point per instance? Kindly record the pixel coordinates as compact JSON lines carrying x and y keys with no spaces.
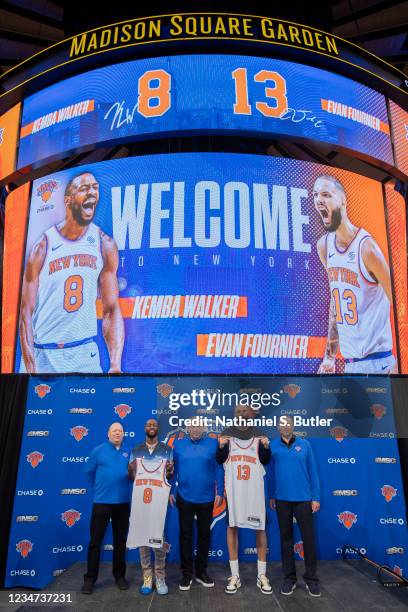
{"x":362,"y":500}
{"x":182,"y":94}
{"x":218,"y":264}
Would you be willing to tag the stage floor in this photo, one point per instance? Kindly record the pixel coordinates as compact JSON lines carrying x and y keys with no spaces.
{"x":349,"y":587}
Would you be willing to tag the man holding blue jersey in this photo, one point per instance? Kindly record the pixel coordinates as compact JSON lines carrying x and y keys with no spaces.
{"x":295,"y":492}
{"x":107,"y":471}
{"x":200,"y":483}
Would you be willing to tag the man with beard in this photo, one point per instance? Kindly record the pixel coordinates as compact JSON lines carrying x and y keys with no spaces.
{"x":66,"y":268}
{"x":244,"y":450}
{"x":150,"y":466}
{"x":360,"y":287}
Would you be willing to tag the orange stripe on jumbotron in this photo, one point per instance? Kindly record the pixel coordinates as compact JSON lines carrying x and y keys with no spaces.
{"x":27,"y":130}
{"x":315,"y":348}
{"x":127,"y":305}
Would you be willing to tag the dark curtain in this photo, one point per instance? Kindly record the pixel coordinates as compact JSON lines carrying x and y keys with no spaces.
{"x":13,"y":393}
{"x":400,"y":402}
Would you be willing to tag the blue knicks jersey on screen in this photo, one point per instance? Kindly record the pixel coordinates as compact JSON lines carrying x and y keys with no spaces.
{"x":65,"y":310}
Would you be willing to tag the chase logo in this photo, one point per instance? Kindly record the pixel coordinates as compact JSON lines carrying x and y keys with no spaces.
{"x":122,"y":410}
{"x":78,"y":432}
{"x":24,"y":547}
{"x":42,"y":390}
{"x":70,"y":517}
{"x":46,"y":189}
{"x":347,"y":518}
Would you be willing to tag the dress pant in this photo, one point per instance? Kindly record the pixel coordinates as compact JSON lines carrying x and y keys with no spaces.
{"x":101,"y":514}
{"x":302,"y":511}
{"x":186,"y":513}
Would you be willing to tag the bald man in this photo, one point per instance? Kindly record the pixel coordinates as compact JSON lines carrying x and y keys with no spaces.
{"x":107,"y":471}
{"x":68,"y":267}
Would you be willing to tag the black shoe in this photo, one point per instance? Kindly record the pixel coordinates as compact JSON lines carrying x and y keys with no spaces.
{"x":185,"y":583}
{"x":313,"y":589}
{"x":204,"y":579}
{"x":288,"y":586}
{"x":122,"y":583}
{"x":87,"y":587}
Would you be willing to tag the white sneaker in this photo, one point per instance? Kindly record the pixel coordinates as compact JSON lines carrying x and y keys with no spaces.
{"x":233,"y":585}
{"x":264,"y":584}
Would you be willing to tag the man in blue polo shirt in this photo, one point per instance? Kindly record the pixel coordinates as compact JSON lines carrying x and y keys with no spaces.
{"x":107,"y":470}
{"x":200,"y":483}
{"x":295,"y":492}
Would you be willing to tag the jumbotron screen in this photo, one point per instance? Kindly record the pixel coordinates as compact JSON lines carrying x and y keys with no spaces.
{"x":216,"y":93}
{"x":198,"y":263}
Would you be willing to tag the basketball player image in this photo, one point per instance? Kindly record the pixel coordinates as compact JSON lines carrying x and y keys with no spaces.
{"x":67,"y":268}
{"x":360,"y":287}
{"x":244,"y":451}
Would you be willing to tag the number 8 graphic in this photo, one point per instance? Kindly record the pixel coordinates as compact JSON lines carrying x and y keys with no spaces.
{"x":147,"y":495}
{"x":73,"y":293}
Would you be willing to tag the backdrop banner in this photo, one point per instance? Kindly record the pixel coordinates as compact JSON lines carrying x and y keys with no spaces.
{"x":348,"y":420}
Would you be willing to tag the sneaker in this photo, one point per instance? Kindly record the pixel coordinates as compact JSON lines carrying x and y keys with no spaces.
{"x":233,"y":585}
{"x":147,"y":586}
{"x":313,"y":589}
{"x":185,"y":583}
{"x":264,"y":584}
{"x":122,"y":583}
{"x":204,"y":579}
{"x":161,"y":586}
{"x":87,"y":587}
{"x":288,"y":586}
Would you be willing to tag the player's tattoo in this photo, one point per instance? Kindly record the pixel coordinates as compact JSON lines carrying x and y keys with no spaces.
{"x":332,"y":345}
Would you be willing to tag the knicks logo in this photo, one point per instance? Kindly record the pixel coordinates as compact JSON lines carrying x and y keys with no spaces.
{"x":378,"y":410}
{"x":397,"y":570}
{"x":42,"y":390}
{"x":388,"y":492}
{"x":339,"y":433}
{"x":292,"y":390}
{"x":24,"y":547}
{"x":347,"y":518}
{"x":122,"y":410}
{"x":35,"y":458}
{"x":46,"y":189}
{"x":164,"y":390}
{"x":70,"y":517}
{"x":298,"y":548}
{"x":79,"y":432}
{"x":1,"y":135}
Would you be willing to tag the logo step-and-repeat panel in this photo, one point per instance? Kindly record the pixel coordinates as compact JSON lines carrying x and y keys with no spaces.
{"x":349,"y":422}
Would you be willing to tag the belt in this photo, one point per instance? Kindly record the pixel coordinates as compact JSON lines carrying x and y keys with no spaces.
{"x":379,"y":355}
{"x":62,"y":345}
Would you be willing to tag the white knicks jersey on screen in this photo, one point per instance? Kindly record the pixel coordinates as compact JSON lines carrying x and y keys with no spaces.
{"x":362,"y":309}
{"x":149,"y":504}
{"x":65,"y":310}
{"x":244,"y":484}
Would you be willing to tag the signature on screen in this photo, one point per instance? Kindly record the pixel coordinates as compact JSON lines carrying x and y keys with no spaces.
{"x":120,"y":115}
